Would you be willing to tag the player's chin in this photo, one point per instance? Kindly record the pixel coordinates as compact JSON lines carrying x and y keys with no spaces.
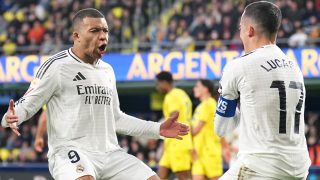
{"x":98,"y":54}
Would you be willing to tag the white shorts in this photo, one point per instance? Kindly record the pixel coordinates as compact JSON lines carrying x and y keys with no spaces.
{"x":238,"y":171}
{"x":71,"y":163}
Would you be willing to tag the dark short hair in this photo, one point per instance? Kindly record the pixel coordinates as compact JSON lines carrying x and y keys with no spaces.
{"x":164,"y":76}
{"x":88,"y":12}
{"x":208,"y":84}
{"x":267,"y":16}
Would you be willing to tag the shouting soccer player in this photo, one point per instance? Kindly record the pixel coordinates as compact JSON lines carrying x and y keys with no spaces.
{"x":83,"y":113}
{"x":270,"y":86}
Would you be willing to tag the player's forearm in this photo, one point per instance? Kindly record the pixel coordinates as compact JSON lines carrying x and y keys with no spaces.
{"x":32,"y":101}
{"x":41,"y":125}
{"x":196,"y":129}
{"x":132,"y":126}
{"x":224,"y":125}
{"x":28,"y":108}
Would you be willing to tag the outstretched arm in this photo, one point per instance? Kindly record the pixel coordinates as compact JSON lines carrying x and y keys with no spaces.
{"x":129,"y":125}
{"x":40,"y":90}
{"x":170,"y":128}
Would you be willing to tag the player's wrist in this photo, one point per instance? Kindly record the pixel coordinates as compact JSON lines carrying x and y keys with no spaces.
{"x":161,"y":131}
{"x":38,"y":137}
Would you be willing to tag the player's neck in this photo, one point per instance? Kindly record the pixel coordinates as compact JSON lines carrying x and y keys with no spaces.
{"x":169,"y":88}
{"x":82,"y":56}
{"x":258,"y":43}
{"x":204,"y":97}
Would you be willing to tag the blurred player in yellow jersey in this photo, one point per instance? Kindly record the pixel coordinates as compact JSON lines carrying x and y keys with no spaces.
{"x":176,"y":154}
{"x":207,"y":153}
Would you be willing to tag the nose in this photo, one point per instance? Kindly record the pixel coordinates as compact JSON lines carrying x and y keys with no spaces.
{"x":103,"y":36}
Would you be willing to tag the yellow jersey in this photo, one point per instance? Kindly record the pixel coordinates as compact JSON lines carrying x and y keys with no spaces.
{"x":178,"y":100}
{"x":206,"y":141}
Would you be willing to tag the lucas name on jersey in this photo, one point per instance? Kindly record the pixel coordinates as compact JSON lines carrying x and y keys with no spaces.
{"x":276,"y":63}
{"x":95,"y":94}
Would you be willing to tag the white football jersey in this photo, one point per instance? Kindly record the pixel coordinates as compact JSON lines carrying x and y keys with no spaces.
{"x":272,"y":97}
{"x":82,"y":105}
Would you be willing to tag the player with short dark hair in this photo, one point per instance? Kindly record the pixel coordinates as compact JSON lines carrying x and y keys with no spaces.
{"x":176,"y":154}
{"x":81,"y":14}
{"x":271,"y":89}
{"x":266,"y":17}
{"x":83,"y":110}
{"x":165,"y":76}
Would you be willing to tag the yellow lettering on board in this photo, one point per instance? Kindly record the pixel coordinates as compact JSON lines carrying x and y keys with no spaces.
{"x":191,"y":64}
{"x":213,"y":65}
{"x":137,"y":68}
{"x":308,"y":62}
{"x":24,"y":67}
{"x":12,"y":66}
{"x":180,"y":67}
{"x":155,"y":61}
{"x":291,"y":55}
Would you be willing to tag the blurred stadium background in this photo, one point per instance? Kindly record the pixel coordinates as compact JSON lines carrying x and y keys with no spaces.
{"x":191,"y":38}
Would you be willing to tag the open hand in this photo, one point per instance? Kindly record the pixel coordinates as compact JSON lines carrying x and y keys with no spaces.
{"x":170,"y":128}
{"x":12,"y":118}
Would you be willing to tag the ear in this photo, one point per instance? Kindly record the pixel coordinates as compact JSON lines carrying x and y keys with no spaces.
{"x":75,"y":36}
{"x":251,"y":31}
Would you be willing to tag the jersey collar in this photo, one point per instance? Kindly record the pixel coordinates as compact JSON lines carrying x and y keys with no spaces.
{"x":74,"y":56}
{"x":262,"y":47}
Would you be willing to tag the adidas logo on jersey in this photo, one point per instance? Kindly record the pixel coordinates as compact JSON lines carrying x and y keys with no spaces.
{"x":79,"y":77}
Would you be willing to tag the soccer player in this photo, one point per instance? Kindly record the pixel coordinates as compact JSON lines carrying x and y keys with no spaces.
{"x":83,"y":113}
{"x":207,"y":153}
{"x":176,"y":154}
{"x":41,"y":130}
{"x":270,"y":86}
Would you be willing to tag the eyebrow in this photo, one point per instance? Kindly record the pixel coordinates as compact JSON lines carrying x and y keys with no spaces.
{"x":99,"y":28}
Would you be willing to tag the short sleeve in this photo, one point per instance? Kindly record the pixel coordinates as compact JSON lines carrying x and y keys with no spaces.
{"x":205,"y":113}
{"x":170,"y":105}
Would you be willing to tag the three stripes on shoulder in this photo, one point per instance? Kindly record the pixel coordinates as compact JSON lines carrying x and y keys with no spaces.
{"x":44,"y":67}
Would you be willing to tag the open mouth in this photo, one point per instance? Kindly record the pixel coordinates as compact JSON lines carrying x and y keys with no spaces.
{"x":102,"y":47}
